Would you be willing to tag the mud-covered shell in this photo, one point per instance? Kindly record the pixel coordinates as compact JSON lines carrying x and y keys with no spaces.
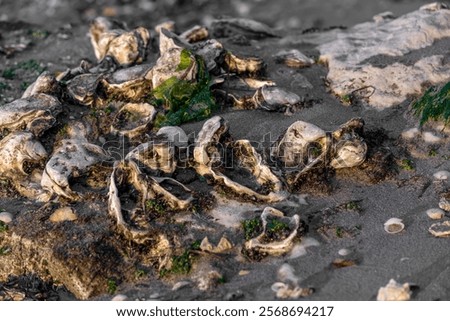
{"x":127,"y":175}
{"x":133,"y":119}
{"x":273,"y":98}
{"x":252,"y":66}
{"x":35,"y":113}
{"x":293,"y":58}
{"x":264,"y":244}
{"x":195,"y":34}
{"x":71,"y":158}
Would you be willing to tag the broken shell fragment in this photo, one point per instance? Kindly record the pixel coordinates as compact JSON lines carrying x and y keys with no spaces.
{"x":35,"y":113}
{"x":133,"y":119}
{"x":444,"y":204}
{"x":195,"y":34}
{"x":70,"y":159}
{"x":435,"y":213}
{"x":220,"y":159}
{"x":252,"y":66}
{"x":394,"y":225}
{"x":293,"y":58}
{"x":169,"y":25}
{"x":126,"y":48}
{"x":441,"y":229}
{"x":278,"y":235}
{"x":394,"y":291}
{"x":222,"y":246}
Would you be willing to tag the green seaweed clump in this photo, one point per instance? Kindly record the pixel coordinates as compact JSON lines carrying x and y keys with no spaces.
{"x":434,"y":105}
{"x":184,"y":100}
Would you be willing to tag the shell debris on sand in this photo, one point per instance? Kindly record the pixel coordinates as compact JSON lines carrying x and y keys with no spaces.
{"x":441,"y":229}
{"x":435,"y":213}
{"x":394,"y":225}
{"x":394,"y":291}
{"x":6,"y":217}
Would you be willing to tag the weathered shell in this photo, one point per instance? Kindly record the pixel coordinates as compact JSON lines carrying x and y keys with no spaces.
{"x":210,"y":155}
{"x":127,"y":176}
{"x":70,"y":159}
{"x":83,"y":88}
{"x":260,"y":244}
{"x":167,"y":66}
{"x":169,"y":25}
{"x":222,"y":246}
{"x":157,"y":155}
{"x":174,"y":135}
{"x":212,"y":53}
{"x":293,"y":58}
{"x":36,"y":114}
{"x":133,"y":119}
{"x":19,"y":150}
{"x":394,"y":225}
{"x":294,"y":148}
{"x":441,"y":229}
{"x":44,"y":84}
{"x":444,"y":204}
{"x":435,"y":213}
{"x":442,"y":175}
{"x":350,"y":151}
{"x":394,"y":291}
{"x":128,"y":84}
{"x":273,"y":98}
{"x":195,"y":34}
{"x":250,"y":28}
{"x":124,"y":47}
{"x":244,"y":65}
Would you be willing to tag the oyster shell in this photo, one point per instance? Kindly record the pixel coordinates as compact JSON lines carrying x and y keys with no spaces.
{"x":126,"y":209}
{"x":195,"y":34}
{"x":156,"y":155}
{"x":35,"y":113}
{"x":293,"y":58}
{"x":394,"y":225}
{"x":217,"y":157}
{"x":444,"y":204}
{"x":125,"y":48}
{"x":133,"y":119}
{"x":20,"y":153}
{"x":175,"y":135}
{"x":273,"y":98}
{"x":45,"y":84}
{"x":252,"y":66}
{"x":441,"y":229}
{"x":394,"y":291}
{"x":83,"y":89}
{"x":278,"y":235}
{"x":70,"y":159}
{"x":168,"y":65}
{"x":212,"y":53}
{"x":251,"y":29}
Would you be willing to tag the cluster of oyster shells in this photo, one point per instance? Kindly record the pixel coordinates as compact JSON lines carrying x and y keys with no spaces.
{"x":121,"y":74}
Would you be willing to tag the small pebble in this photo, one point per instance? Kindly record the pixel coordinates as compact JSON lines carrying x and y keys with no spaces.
{"x":63,"y":214}
{"x":435,"y":213}
{"x":120,"y":297}
{"x":6,"y":217}
{"x":344,"y":252}
{"x":429,"y":137}
{"x":442,"y":175}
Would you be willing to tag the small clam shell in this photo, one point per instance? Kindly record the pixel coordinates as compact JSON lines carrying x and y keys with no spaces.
{"x":6,"y":217}
{"x":435,"y":213}
{"x":441,"y":229}
{"x":394,"y":225}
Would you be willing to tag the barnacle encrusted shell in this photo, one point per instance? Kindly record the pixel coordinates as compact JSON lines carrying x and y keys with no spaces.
{"x":212,"y":152}
{"x":264,"y":244}
{"x":35,"y":113}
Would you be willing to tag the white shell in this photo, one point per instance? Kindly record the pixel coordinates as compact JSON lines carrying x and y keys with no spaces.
{"x":349,"y":153}
{"x":6,"y":217}
{"x":441,"y":229}
{"x":435,"y":213}
{"x":394,"y":291}
{"x":120,"y":297}
{"x":444,"y":204}
{"x":394,"y":225}
{"x":344,"y":252}
{"x":442,"y":175}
